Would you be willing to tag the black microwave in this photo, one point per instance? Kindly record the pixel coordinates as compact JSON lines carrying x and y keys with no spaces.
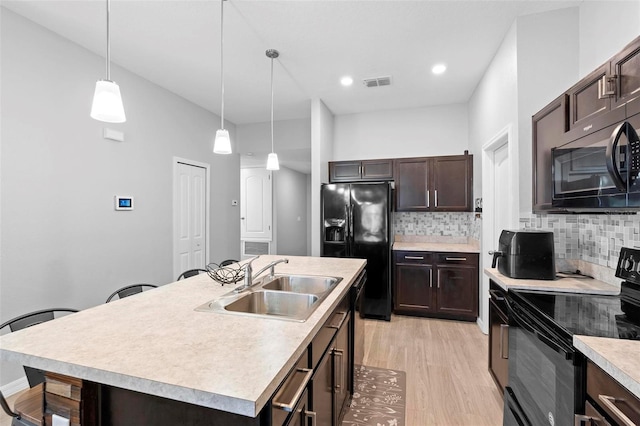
{"x":600,"y":171}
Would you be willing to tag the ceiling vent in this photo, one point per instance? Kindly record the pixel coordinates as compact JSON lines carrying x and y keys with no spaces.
{"x":377,"y":82}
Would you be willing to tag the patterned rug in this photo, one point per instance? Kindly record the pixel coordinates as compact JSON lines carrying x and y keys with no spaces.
{"x":378,"y":399}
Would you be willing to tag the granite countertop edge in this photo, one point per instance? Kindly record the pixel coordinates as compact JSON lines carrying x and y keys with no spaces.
{"x":563,"y":285}
{"x":606,"y":354}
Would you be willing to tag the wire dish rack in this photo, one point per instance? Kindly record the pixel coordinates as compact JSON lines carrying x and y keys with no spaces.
{"x":229,"y":274}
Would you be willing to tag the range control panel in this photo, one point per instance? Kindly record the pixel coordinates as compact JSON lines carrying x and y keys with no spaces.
{"x":629,"y":265}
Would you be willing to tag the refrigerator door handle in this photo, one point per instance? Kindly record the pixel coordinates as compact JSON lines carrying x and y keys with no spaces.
{"x":351,"y":219}
{"x":346,"y":220}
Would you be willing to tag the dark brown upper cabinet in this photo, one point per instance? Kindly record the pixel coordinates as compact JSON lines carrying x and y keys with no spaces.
{"x":453,"y":183}
{"x":365,"y":170}
{"x":412,"y":184}
{"x":548,"y":126}
{"x":434,"y":183}
{"x":625,"y":66}
{"x":599,"y":99}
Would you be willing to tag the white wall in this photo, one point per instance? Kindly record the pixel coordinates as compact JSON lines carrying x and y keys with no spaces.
{"x":440,"y":130}
{"x":322,"y":130}
{"x":287,"y":134}
{"x":290,"y":205}
{"x":545,"y":41}
{"x":62,"y":242}
{"x":492,"y":107}
{"x":605,"y":28}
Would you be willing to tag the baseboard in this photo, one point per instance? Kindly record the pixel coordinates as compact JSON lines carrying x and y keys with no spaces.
{"x":15,"y":386}
{"x":482,"y":326}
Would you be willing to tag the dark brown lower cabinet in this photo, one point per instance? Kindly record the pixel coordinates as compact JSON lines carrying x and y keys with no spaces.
{"x":443,"y":285}
{"x":498,"y":340}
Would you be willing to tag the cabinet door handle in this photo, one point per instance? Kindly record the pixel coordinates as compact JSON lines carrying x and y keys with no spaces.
{"x":311,"y":415}
{"x":436,"y":197}
{"x":338,"y":354}
{"x":610,"y":403}
{"x":337,"y":327}
{"x":438,"y":277}
{"x":414,"y":257}
{"x":604,"y":84}
{"x":504,"y":327}
{"x":462,"y":259}
{"x":580,"y":419}
{"x":288,"y":406}
{"x":430,"y":278}
{"x":428,"y":198}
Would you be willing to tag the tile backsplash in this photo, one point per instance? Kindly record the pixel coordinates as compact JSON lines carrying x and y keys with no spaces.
{"x":587,"y":237}
{"x":450,"y":224}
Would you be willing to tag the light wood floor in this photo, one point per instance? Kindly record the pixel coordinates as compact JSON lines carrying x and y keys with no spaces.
{"x":446,"y":364}
{"x":448,"y":383}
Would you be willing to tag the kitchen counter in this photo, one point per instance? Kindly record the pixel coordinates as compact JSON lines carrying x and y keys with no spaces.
{"x":566,"y":285}
{"x":617,"y":357}
{"x":156,"y":343}
{"x":436,"y":247}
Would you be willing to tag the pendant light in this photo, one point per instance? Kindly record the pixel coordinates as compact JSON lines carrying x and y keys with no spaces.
{"x":107,"y":101}
{"x":272,"y":159}
{"x":222,"y":143}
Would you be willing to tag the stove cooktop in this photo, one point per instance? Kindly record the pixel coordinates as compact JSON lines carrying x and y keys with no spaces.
{"x":616,"y":317}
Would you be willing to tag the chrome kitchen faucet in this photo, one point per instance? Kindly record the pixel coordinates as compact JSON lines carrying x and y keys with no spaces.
{"x":248,"y":272}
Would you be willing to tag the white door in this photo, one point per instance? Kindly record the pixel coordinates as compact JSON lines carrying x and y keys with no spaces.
{"x":255,"y":204}
{"x":502,"y":216}
{"x":190,"y":210}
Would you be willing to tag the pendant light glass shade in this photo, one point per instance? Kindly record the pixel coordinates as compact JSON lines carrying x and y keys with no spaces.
{"x":107,"y":103}
{"x":222,"y":144}
{"x":272,"y":162}
{"x":272,"y":159}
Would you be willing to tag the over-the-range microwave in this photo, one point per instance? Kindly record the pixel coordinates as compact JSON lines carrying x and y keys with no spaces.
{"x":599,"y":171}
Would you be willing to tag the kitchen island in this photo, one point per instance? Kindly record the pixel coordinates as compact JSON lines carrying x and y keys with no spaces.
{"x":156,"y":344}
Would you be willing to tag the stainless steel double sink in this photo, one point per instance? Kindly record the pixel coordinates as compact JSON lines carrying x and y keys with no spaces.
{"x":286,"y":297}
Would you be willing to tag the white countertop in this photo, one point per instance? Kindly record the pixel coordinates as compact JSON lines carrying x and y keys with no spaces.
{"x":436,"y":247}
{"x":154,"y":342}
{"x":619,"y":358}
{"x":565,"y":285}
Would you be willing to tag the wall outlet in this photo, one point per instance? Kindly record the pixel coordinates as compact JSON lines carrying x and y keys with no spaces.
{"x":234,"y":202}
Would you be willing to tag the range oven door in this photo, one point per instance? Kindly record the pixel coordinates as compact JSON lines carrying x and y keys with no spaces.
{"x":597,"y":170}
{"x":542,"y":373}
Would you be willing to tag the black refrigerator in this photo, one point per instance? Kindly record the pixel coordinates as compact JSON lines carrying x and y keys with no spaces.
{"x":356,"y":222}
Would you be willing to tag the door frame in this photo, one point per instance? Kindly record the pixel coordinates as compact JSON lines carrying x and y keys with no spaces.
{"x":207,"y":207}
{"x":504,"y":136}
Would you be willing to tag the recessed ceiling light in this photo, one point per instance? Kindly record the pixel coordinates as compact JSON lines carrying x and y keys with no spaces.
{"x":439,"y":68}
{"x":346,"y":81}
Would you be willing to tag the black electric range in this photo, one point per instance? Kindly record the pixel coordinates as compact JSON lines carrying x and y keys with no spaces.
{"x":546,"y":373}
{"x":616,"y":317}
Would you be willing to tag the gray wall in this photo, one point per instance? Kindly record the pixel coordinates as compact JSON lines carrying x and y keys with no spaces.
{"x":62,"y":242}
{"x":290,"y":206}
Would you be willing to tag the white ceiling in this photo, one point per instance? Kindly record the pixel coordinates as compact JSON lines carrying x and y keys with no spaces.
{"x":176,"y":44}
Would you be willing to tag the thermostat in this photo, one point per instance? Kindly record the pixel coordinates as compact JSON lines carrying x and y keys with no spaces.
{"x":123,"y":203}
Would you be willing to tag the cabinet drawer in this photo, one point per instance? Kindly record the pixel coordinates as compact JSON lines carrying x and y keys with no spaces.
{"x":611,"y":396}
{"x":320,"y":343}
{"x":293,"y":385}
{"x":470,"y":259}
{"x":420,"y":257}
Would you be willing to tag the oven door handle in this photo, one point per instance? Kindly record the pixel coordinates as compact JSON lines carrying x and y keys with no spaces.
{"x":542,"y":337}
{"x":495,"y":294}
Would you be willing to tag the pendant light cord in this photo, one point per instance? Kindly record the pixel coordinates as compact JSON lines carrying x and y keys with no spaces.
{"x":222,"y":62}
{"x":272,"y":105}
{"x":108,"y":42}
